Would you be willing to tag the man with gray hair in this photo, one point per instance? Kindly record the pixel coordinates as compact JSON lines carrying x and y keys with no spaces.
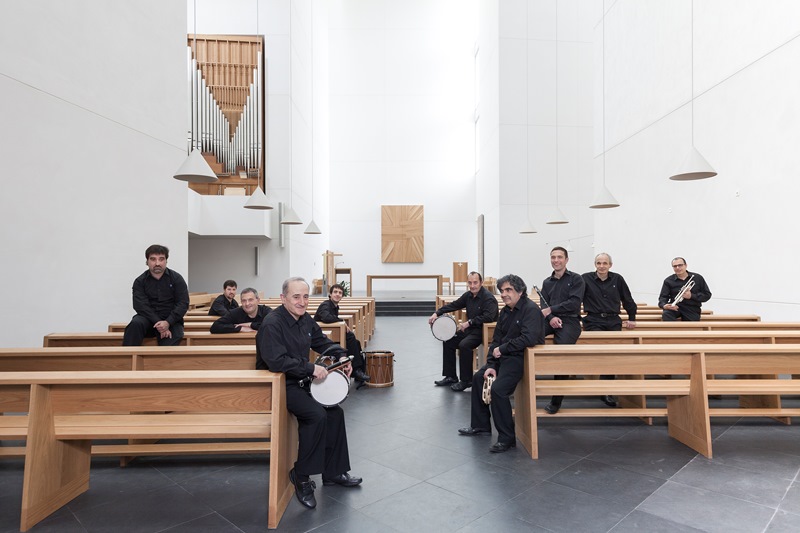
{"x":519,"y":326}
{"x":248,"y":317}
{"x":282,"y":345}
{"x":604,"y":293}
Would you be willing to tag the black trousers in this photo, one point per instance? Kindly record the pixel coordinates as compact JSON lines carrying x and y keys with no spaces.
{"x":140,"y":327}
{"x":509,"y":373}
{"x":323,"y":438}
{"x":464,"y":342}
{"x":687,"y":314}
{"x":599,"y":323}
{"x":354,"y":349}
{"x":568,"y":333}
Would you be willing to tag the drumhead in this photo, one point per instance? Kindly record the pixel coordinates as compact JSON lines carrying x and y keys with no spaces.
{"x":444,"y":327}
{"x":332,"y":390}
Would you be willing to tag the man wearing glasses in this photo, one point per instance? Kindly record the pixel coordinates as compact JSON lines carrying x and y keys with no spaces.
{"x":689,"y":288}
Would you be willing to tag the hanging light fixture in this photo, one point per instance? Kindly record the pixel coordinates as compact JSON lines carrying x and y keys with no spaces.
{"x":558,"y":216}
{"x":258,"y":199}
{"x":289,"y":217}
{"x":312,"y":228}
{"x":527,"y":228}
{"x":604,"y":199}
{"x":694,"y":166}
{"x":195,"y":169}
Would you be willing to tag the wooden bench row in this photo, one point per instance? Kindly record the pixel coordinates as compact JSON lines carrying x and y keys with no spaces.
{"x":754,"y":368}
{"x":68,"y":410}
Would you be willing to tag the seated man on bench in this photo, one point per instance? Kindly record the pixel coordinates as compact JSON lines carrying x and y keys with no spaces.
{"x":519,"y":326}
{"x":160,"y":299}
{"x":282,"y":345}
{"x":225,"y":302}
{"x":248,"y":317}
{"x":328,"y":313}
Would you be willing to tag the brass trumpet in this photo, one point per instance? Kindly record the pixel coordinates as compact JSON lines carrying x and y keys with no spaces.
{"x":687,"y":287}
{"x":486,"y":395}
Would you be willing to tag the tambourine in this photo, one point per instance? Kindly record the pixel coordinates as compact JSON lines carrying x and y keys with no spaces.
{"x":486,"y":394}
{"x":332,"y":389}
{"x":444,"y":327}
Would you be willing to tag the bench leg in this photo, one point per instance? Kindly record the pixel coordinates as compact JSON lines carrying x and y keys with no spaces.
{"x":525,"y":423}
{"x":761,"y":401}
{"x":636,"y":402}
{"x":55,"y":471}
{"x":282,"y":455}
{"x":688,"y":416}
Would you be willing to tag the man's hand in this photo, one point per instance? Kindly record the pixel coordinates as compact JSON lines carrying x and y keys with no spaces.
{"x":496,"y":353}
{"x":320,"y":372}
{"x":348,"y":368}
{"x":463,"y":326}
{"x":687,"y":295}
{"x":166,"y":334}
{"x":432,"y":318}
{"x":161,"y":326}
{"x":555,"y":322}
{"x":671,"y":307}
{"x":630,"y":324}
{"x":546,"y":312}
{"x":490,"y":372}
{"x":245,"y":326}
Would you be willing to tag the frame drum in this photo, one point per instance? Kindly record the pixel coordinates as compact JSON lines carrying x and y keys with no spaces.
{"x":380,"y":367}
{"x":332,"y":390}
{"x":444,"y":328}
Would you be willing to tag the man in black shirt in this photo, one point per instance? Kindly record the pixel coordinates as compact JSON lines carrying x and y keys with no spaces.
{"x":328,"y":313}
{"x":248,"y":317}
{"x":688,"y":309}
{"x":160,"y":299}
{"x":519,"y":326}
{"x":226,"y":301}
{"x":282,"y":345}
{"x":604,"y":293}
{"x":562,"y":293}
{"x":481,"y":307}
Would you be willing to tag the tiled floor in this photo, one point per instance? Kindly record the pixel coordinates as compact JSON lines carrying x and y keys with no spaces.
{"x":420,"y":475}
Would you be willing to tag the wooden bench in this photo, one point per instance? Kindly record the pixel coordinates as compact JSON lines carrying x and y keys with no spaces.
{"x":752,"y":371}
{"x":179,"y":404}
{"x":336,"y":332}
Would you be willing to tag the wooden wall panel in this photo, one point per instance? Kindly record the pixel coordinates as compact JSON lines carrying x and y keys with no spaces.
{"x":402,"y":234}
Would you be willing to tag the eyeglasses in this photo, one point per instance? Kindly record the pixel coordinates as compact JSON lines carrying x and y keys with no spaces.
{"x":681,"y":265}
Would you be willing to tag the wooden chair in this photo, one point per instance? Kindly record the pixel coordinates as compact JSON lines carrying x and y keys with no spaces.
{"x":460,"y":271}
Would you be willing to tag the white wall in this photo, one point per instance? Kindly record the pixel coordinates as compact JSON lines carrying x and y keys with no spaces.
{"x":401,"y":130}
{"x":94,"y":122}
{"x":545,"y":132}
{"x":737,"y":229}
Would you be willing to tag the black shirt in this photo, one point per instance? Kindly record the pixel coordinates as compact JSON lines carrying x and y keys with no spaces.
{"x":606,"y":296}
{"x":327,"y":312}
{"x":563,"y":294}
{"x":283,"y":344}
{"x":227,"y":323}
{"x":517,"y":329}
{"x":222,"y":306}
{"x":481,"y":308}
{"x":672,"y":285}
{"x":166,"y":298}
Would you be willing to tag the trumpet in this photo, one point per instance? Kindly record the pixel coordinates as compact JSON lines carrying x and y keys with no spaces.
{"x":687,"y":287}
{"x":486,"y":394}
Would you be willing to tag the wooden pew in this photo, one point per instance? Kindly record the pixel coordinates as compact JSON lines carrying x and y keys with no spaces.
{"x":191,"y":338}
{"x":336,"y":332}
{"x":63,"y":421}
{"x":751,"y":370}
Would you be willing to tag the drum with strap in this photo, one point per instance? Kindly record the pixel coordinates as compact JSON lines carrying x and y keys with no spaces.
{"x":332,"y":389}
{"x":444,"y":327}
{"x":380,"y":367}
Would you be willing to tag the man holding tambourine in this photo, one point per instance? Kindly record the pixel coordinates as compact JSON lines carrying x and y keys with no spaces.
{"x":284,"y":339}
{"x":481,"y":306}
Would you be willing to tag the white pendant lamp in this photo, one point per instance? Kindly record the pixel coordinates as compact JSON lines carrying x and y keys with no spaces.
{"x":694,"y":166}
{"x":258,"y":199}
{"x":312,"y":228}
{"x":195,"y":169}
{"x":558,"y":215}
{"x":604,"y":199}
{"x":288,"y":217}
{"x":527,"y":227}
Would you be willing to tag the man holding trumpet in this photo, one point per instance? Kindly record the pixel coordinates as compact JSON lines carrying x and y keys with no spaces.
{"x":682,"y":294}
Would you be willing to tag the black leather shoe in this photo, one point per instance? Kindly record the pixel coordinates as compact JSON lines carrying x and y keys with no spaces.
{"x":500,"y":447}
{"x":609,"y":400}
{"x":473,"y":432}
{"x":360,"y":375}
{"x":461,"y":386}
{"x":345,"y":480}
{"x":304,"y":490}
{"x":445,"y":381}
{"x":552,"y":408}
